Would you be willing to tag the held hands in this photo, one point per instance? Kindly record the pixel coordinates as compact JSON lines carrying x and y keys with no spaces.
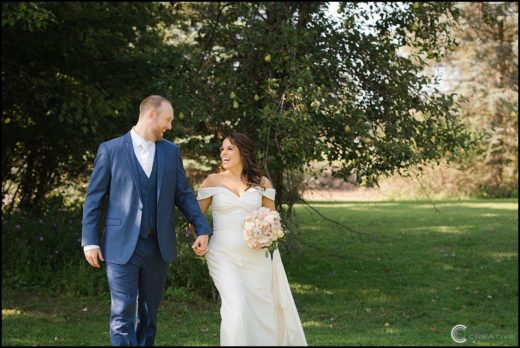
{"x":92,"y":257}
{"x":200,"y":247}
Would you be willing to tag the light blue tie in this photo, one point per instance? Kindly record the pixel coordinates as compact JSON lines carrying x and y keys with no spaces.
{"x":145,"y":158}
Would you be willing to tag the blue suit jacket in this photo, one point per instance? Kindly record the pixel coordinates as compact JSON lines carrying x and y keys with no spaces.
{"x":115,"y":176}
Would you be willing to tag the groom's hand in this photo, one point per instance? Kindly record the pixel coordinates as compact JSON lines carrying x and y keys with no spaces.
{"x":92,"y":257}
{"x":200,"y":246}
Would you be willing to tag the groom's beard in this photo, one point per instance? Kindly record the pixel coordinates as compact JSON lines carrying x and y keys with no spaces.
{"x":158,"y":136}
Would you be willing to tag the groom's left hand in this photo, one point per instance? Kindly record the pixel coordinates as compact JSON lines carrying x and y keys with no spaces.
{"x":200,"y":246}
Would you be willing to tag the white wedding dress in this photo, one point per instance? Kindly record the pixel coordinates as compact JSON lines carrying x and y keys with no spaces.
{"x":257,"y":303}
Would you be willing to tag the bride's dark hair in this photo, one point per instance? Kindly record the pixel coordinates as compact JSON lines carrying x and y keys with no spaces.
{"x":251,"y":172}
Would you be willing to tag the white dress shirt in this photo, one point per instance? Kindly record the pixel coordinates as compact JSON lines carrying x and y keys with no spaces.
{"x":145,"y":153}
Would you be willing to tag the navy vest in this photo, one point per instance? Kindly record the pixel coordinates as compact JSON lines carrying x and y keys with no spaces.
{"x":148,"y":192}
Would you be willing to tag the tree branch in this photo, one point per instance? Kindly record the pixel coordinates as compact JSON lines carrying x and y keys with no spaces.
{"x":336,"y":222}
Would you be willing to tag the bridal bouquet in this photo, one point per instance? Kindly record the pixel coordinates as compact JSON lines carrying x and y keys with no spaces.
{"x":263,"y":229}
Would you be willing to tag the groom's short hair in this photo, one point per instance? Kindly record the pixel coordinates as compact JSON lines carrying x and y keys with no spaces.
{"x":152,"y":102}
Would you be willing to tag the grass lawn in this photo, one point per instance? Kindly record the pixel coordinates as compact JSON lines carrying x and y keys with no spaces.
{"x":415,"y":272}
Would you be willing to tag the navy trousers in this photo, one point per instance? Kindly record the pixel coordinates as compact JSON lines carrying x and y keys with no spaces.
{"x":136,"y":290}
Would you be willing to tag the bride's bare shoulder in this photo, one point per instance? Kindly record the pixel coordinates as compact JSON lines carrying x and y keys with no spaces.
{"x":211,"y":181}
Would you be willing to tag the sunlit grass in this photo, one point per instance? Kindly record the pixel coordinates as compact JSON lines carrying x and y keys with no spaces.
{"x":499,"y":256}
{"x":10,"y":312}
{"x":312,"y":323}
{"x":297,"y":288}
{"x":483,"y":205}
{"x":442,"y":229}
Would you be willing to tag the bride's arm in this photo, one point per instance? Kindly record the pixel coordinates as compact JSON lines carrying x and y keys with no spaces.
{"x":266,"y":202}
{"x":203,"y":204}
{"x":206,"y":202}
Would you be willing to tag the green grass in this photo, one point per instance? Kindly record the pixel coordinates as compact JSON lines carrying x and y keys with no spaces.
{"x":413,"y":276}
{"x":410,"y":276}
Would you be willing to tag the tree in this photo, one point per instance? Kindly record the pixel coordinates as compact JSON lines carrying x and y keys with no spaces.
{"x":306,"y":88}
{"x":485,"y":71}
{"x":73,"y":75}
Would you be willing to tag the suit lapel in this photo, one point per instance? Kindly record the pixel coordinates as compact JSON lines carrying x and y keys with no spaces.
{"x":129,"y":152}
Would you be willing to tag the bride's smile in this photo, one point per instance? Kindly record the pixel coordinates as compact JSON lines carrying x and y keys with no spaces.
{"x":229,"y":155}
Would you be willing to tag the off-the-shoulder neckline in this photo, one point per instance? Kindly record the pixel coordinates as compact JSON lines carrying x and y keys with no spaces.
{"x":232,"y":192}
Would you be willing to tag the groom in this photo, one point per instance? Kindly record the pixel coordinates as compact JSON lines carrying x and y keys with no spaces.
{"x":142,"y":177}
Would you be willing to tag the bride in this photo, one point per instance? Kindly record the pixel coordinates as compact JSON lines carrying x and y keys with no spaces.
{"x":257,"y":304}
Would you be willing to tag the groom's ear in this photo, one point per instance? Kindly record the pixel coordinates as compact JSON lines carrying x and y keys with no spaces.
{"x":152,"y":113}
